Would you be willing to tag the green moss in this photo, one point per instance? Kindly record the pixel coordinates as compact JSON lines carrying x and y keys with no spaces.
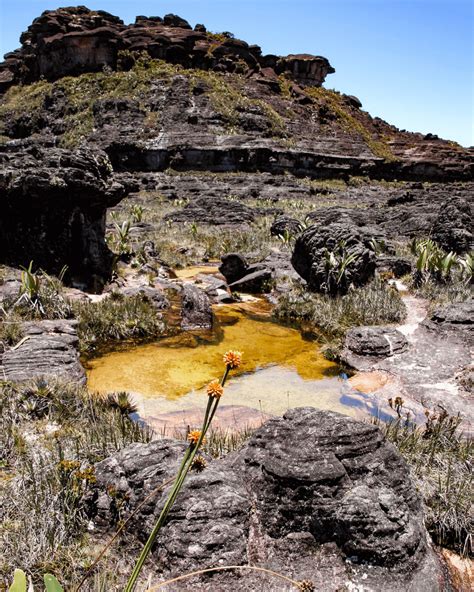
{"x":335,"y":103}
{"x":229,"y":101}
{"x":136,"y":84}
{"x":24,"y":99}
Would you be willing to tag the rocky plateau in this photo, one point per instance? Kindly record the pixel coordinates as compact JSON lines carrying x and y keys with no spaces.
{"x":202,"y":130}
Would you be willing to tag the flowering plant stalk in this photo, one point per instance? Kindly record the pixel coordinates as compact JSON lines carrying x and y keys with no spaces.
{"x":232,"y":360}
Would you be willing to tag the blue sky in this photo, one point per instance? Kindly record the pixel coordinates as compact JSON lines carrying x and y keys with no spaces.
{"x":410,"y":62}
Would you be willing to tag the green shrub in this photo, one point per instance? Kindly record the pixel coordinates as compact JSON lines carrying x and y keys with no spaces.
{"x":40,"y":297}
{"x":116,"y":318}
{"x":374,"y":304}
{"x":440,"y":462}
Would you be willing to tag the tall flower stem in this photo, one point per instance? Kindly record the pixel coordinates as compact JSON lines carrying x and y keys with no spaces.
{"x":183,"y":470}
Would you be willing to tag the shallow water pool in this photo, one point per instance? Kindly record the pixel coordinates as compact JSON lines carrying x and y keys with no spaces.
{"x":280,"y":369}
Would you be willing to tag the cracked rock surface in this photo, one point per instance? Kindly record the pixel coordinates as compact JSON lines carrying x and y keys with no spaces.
{"x":313,"y":495}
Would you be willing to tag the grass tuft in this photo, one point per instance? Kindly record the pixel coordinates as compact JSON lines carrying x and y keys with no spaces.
{"x":51,"y":434}
{"x":374,"y":304}
{"x":115,"y":318}
{"x":440,"y":459}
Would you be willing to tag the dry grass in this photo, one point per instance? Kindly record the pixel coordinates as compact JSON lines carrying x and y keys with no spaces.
{"x":50,"y":437}
{"x":441,"y":462}
{"x":331,"y":316}
{"x":116,"y":318}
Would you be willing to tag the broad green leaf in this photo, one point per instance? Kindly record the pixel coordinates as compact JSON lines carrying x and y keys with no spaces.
{"x":19,"y":581}
{"x":52,"y":584}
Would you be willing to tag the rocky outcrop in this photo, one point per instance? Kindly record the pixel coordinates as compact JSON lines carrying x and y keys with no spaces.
{"x":315,"y":245}
{"x":453,"y":227}
{"x":396,"y":266}
{"x":215,"y":211}
{"x":458,"y":316}
{"x":195,"y":309}
{"x":53,"y":205}
{"x":49,"y":350}
{"x":242,"y":277}
{"x":271,"y":119}
{"x":365,"y":345}
{"x":286,"y":225}
{"x":73,"y":40}
{"x":313,"y":495}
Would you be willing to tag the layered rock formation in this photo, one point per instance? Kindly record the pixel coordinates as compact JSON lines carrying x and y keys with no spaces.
{"x":53,"y":210}
{"x":313,"y":495}
{"x":74,"y":40}
{"x":48,"y":350}
{"x":171,"y":96}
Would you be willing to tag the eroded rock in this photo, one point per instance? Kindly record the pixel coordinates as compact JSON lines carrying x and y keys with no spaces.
{"x":365,"y":345}
{"x":307,"y":492}
{"x":312,"y":249}
{"x":53,"y":210}
{"x":195,"y":308}
{"x":49,"y":349}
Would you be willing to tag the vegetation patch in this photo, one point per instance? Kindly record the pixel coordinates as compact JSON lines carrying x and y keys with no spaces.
{"x":440,"y":460}
{"x":51,"y":434}
{"x":331,"y":316}
{"x":333,"y":102}
{"x":115,"y":318}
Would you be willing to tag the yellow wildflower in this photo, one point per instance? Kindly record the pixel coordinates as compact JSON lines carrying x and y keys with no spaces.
{"x":194,"y":436}
{"x":215,"y":390}
{"x":232,"y":359}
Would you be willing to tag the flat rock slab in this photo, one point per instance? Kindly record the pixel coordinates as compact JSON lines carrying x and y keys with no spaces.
{"x":365,"y":345}
{"x":313,"y":495}
{"x":434,"y":370}
{"x":48,"y":350}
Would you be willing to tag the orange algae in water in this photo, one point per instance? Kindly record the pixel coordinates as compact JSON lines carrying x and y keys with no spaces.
{"x":174,"y":366}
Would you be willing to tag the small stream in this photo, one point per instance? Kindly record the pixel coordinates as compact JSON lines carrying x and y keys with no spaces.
{"x":281,"y":369}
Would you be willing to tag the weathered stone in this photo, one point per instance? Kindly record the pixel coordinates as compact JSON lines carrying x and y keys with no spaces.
{"x":216,"y":211}
{"x":363,"y":345}
{"x":195,"y":308}
{"x":458,"y":315}
{"x":73,"y":40}
{"x":284,"y":224}
{"x":308,"y":493}
{"x":53,"y":210}
{"x":453,"y":227}
{"x":397,"y":266}
{"x":313,"y":245}
{"x":256,"y":282}
{"x":233,"y":267}
{"x":197,"y":132}
{"x":48,"y":350}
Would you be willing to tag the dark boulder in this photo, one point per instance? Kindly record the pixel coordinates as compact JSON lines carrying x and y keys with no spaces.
{"x":284,"y":224}
{"x":312,"y":251}
{"x":196,"y":308}
{"x":453,"y":227}
{"x":255,"y":282}
{"x":397,"y":266}
{"x":309,"y":494}
{"x":242,"y":277}
{"x":364,"y":345}
{"x":53,"y":210}
{"x":233,"y":267}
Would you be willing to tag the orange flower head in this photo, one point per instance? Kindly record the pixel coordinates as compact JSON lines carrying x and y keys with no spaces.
{"x":233,"y":359}
{"x":194,"y":436}
{"x":215,"y":390}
